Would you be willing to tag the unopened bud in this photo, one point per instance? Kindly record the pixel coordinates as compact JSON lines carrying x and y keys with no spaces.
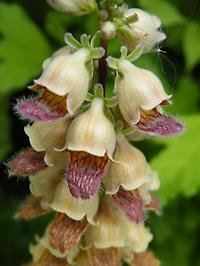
{"x":76,"y":7}
{"x":108,"y":30}
{"x":145,"y":31}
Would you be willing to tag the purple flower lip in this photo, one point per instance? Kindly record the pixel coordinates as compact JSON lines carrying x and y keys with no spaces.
{"x":84,"y":174}
{"x":157,"y":124}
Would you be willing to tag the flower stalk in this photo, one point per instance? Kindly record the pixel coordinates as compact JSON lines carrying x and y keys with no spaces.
{"x":81,"y":165}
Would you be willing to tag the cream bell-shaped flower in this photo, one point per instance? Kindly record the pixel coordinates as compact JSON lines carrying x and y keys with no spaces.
{"x":76,"y":7}
{"x":140,"y":95}
{"x":51,"y":187}
{"x":45,"y":136}
{"x":67,"y":75}
{"x":130,"y":170}
{"x":145,"y":31}
{"x":46,"y":106}
{"x":112,"y":229}
{"x":91,"y":141}
{"x":134,"y":203}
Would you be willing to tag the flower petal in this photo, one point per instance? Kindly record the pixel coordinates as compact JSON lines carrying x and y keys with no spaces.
{"x":105,"y":257}
{"x":84,"y":174}
{"x":130,"y":203}
{"x":48,"y":135}
{"x":154,"y":205}
{"x":129,"y":170}
{"x":145,"y":259}
{"x":47,"y":259}
{"x":157,"y":124}
{"x":92,"y":132}
{"x":115,"y":230}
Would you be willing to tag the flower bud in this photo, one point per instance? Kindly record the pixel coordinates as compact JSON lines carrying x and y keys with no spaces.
{"x":108,"y":30}
{"x":76,"y":7}
{"x":130,"y":169}
{"x":67,"y":74}
{"x":145,"y":31}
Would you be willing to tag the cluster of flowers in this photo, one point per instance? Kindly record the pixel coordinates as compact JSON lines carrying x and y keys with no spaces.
{"x":82,"y":165}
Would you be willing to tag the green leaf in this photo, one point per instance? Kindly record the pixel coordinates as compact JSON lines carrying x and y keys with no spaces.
{"x":178,"y":164}
{"x":191,"y":43}
{"x":22,"y":48}
{"x":180,"y":221}
{"x":5,"y":126}
{"x":186,"y":97}
{"x":57,"y":24}
{"x":167,"y":12}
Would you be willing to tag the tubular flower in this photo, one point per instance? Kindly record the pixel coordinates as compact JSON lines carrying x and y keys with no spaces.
{"x":91,"y":141}
{"x":112,"y":229}
{"x":76,"y":7}
{"x":48,"y":135}
{"x":130,"y":169}
{"x":47,"y":105}
{"x":50,"y":186}
{"x":134,"y":203}
{"x":140,"y":95}
{"x":145,"y":31}
{"x":67,"y":75}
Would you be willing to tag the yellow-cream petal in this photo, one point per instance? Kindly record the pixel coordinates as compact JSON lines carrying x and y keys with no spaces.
{"x":48,"y":135}
{"x":92,"y":132}
{"x":130,"y":169}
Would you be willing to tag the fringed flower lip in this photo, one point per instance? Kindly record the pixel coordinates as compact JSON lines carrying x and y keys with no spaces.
{"x":155,"y":123}
{"x":135,"y":203}
{"x":45,"y":107}
{"x":91,"y":141}
{"x":140,"y":95}
{"x":26,"y":162}
{"x":130,"y":203}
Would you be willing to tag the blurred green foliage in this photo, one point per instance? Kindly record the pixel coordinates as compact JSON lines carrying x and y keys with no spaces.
{"x":29,"y":32}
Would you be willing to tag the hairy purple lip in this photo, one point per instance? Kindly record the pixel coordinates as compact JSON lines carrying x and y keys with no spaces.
{"x":84,"y":174}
